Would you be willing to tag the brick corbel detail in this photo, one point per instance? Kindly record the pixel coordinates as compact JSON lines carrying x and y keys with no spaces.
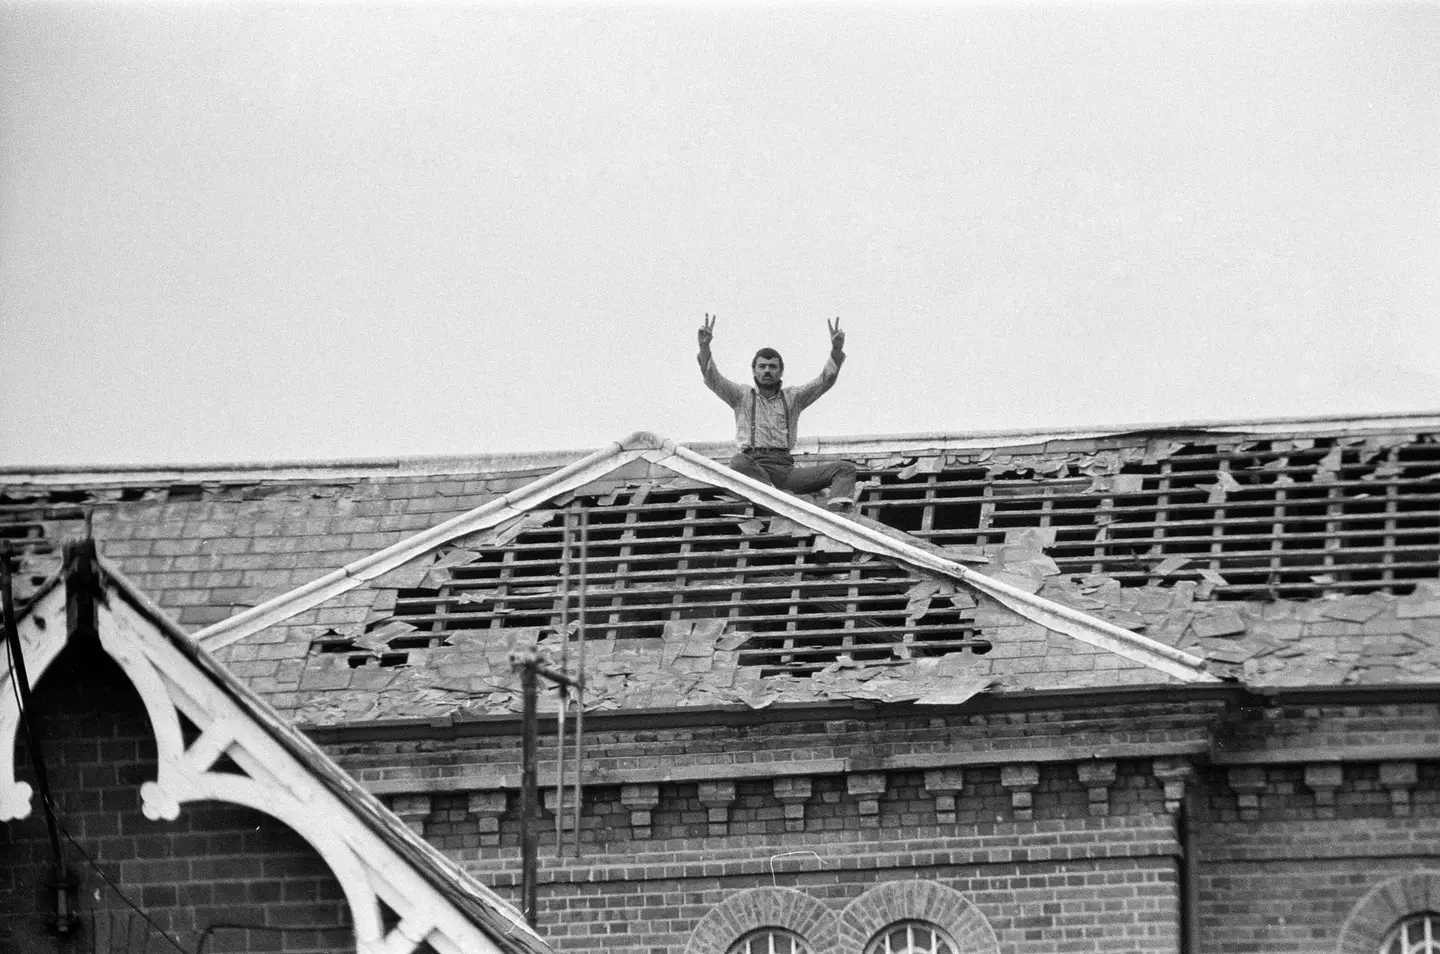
{"x":487,"y":807}
{"x":1248,"y":783}
{"x":554,"y":802}
{"x":1021,"y":781}
{"x":793,"y":793}
{"x":1173,"y":775}
{"x":641,"y":801}
{"x":717,"y":798}
{"x":1097,"y":776}
{"x":412,"y":810}
{"x":866,"y":788}
{"x":1324,"y":778}
{"x":945,"y":785}
{"x":1399,"y":778}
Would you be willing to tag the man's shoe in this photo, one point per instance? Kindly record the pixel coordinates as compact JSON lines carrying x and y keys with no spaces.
{"x":841,"y":505}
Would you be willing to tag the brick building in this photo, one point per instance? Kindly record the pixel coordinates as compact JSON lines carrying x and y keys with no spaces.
{"x":1163,"y":690}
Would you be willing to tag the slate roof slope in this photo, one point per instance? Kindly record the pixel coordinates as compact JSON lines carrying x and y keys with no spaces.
{"x":781,"y":602}
{"x":1286,"y":552}
{"x":495,"y":918}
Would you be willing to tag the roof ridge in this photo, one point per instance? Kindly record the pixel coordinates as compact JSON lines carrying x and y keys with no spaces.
{"x":519,"y":460}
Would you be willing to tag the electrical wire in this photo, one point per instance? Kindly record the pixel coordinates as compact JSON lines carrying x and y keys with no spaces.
{"x":95,"y":866}
{"x":54,"y":817}
{"x":60,"y":826}
{"x":206,"y":932}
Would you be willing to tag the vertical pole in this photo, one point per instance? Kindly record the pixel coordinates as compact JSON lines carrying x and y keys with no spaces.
{"x":580,"y":674}
{"x":562,"y":691}
{"x":529,"y":833}
{"x":1189,"y":874}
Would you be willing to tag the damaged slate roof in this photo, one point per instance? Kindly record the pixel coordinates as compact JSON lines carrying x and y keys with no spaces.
{"x":1286,"y":554}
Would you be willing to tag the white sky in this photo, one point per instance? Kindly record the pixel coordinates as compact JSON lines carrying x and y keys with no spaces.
{"x":244,"y":231}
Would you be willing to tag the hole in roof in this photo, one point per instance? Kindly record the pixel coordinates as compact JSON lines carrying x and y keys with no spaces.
{"x":411,"y":642}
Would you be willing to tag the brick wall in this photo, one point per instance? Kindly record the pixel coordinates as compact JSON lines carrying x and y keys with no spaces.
{"x":1111,"y":905}
{"x":1284,"y":868}
{"x":1056,"y":870}
{"x":215,"y":863}
{"x":1287,"y":854}
{"x":1087,"y":862}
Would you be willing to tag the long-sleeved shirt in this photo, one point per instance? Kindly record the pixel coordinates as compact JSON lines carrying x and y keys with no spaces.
{"x":762,"y":421}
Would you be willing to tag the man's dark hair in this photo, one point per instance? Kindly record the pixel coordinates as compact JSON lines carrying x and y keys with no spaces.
{"x":767,"y":353}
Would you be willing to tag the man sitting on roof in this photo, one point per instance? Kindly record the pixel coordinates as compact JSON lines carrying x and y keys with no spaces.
{"x":767,"y":418}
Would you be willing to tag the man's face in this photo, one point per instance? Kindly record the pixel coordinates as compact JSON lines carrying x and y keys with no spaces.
{"x":767,"y":371}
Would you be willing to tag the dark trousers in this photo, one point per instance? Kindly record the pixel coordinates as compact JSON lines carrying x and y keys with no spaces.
{"x":777,"y":468}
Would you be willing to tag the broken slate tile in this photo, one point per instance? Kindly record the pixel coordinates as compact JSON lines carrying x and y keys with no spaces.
{"x":325,"y":673}
{"x":782,"y":526}
{"x":1354,"y":609}
{"x":1170,"y":564}
{"x":403,"y":577}
{"x":1224,"y":622}
{"x":1408,"y":609}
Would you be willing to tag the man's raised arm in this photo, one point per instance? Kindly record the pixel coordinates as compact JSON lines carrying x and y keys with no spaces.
{"x":837,"y":342}
{"x":707,"y":334}
{"x":807,"y":393}
{"x":727,"y":390}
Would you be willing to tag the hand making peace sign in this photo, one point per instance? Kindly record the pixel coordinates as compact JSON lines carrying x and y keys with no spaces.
{"x":837,"y":337}
{"x":707,"y":330}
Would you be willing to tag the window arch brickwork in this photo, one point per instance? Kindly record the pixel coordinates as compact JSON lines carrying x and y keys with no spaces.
{"x":756,"y":908}
{"x":929,"y":901}
{"x":1384,"y":906}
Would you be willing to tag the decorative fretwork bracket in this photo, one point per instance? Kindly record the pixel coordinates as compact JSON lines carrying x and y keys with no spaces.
{"x":271,"y":780}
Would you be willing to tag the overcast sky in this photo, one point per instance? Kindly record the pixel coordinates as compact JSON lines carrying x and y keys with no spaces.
{"x":243,"y":231}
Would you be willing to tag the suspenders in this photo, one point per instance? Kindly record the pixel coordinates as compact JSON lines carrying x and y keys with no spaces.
{"x":784,"y":402}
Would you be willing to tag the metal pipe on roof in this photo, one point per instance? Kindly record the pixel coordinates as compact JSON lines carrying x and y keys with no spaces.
{"x":561,"y":689}
{"x":580,"y":680}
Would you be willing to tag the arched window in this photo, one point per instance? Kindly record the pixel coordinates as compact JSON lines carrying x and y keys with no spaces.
{"x":911,"y":937}
{"x":770,"y":941}
{"x":1418,"y":934}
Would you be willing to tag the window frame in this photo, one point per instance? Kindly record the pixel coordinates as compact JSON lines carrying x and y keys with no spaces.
{"x":1398,"y":941}
{"x":941,"y":941}
{"x":743,"y":945}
